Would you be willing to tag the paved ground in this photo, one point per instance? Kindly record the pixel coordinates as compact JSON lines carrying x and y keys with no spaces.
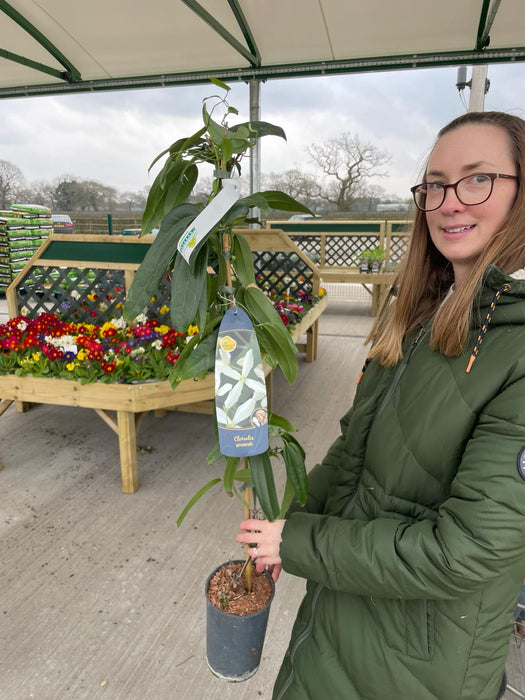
{"x":102,"y":594}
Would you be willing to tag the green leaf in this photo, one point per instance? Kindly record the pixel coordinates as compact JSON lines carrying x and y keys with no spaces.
{"x":283,"y":201}
{"x":188,"y":286}
{"x":157,"y":260}
{"x":237,"y":214}
{"x":293,"y":456}
{"x":242,"y":259}
{"x":198,"y":363}
{"x":280,"y":422}
{"x":195,"y":498}
{"x":219,"y":83}
{"x":255,"y":200}
{"x":292,"y":439}
{"x":258,"y":129}
{"x":216,"y":131}
{"x":182,"y":145}
{"x":168,"y":191}
{"x":226,"y":149}
{"x":272,"y":330}
{"x":287,"y":499}
{"x":268,"y":338}
{"x":264,"y":484}
{"x":180,"y":190}
{"x":229,"y":473}
{"x":214,"y":454}
{"x":243,"y":475}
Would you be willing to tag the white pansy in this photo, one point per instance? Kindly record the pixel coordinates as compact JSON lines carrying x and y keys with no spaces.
{"x":119,"y":323}
{"x":66,"y":343}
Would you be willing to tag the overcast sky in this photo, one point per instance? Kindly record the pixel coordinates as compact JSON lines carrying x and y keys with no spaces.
{"x":113,"y":137}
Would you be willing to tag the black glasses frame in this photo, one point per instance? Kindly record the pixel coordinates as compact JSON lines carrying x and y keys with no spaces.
{"x":454,"y":186}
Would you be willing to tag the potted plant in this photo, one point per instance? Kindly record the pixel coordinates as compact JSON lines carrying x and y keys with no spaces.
{"x":363,"y":261}
{"x":220,"y":272}
{"x":377,"y":257}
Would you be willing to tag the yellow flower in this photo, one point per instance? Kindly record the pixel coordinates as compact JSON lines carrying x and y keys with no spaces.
{"x":82,"y":354}
{"x":192,"y":330}
{"x":35,"y":356}
{"x":71,"y":366}
{"x":106,"y":325}
{"x":164,"y":309}
{"x":92,"y":297}
{"x":163,"y":329}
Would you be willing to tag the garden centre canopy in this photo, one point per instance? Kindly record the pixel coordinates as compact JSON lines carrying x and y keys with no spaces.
{"x":60,"y":46}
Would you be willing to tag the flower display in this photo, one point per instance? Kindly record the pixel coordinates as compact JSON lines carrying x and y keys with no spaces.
{"x":49,"y":346}
{"x":52,"y":346}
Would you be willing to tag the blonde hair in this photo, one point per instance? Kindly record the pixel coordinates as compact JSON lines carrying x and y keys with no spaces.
{"x":425,"y":275}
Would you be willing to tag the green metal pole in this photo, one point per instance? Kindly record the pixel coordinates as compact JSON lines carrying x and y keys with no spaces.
{"x":110,"y":224}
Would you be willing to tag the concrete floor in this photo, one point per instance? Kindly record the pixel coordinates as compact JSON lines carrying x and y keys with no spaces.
{"x":102,"y":594}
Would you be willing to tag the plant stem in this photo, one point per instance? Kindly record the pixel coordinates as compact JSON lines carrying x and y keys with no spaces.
{"x":248,"y":569}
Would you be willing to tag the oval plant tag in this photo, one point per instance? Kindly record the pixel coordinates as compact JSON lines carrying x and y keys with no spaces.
{"x":240,"y":388}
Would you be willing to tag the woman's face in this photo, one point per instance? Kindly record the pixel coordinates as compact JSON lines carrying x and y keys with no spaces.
{"x":459,"y":231}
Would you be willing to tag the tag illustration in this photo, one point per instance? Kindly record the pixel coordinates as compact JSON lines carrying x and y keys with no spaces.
{"x":209,"y":216}
{"x":240,"y":388}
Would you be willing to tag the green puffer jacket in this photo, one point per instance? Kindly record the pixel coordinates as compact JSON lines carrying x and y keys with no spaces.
{"x":413,"y":538}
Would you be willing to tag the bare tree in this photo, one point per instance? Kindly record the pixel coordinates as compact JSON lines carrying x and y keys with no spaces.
{"x":302,"y":186}
{"x":11,"y":182}
{"x":349,"y":163}
{"x":37,"y":192}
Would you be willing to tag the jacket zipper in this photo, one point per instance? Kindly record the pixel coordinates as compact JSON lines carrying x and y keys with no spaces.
{"x":304,"y":635}
{"x":399,"y":373}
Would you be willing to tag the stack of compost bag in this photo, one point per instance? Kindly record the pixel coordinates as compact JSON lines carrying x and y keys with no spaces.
{"x":23,"y":228}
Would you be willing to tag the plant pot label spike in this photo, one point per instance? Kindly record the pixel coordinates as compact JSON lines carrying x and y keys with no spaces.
{"x":240,"y":388}
{"x":208,"y":218}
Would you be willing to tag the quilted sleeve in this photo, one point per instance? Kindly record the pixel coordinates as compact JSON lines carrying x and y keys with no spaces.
{"x":478,"y":534}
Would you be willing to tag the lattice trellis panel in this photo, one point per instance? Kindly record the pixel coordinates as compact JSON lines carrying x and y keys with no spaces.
{"x":282,"y":271}
{"x":344,"y":250}
{"x":90,"y":295}
{"x":311,"y":245}
{"x":83,"y":295}
{"x":398,"y":246}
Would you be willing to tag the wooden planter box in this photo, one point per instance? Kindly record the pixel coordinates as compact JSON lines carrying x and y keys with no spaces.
{"x":132,"y":401}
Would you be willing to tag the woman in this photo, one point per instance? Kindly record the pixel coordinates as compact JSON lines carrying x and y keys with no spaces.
{"x":412,"y":541}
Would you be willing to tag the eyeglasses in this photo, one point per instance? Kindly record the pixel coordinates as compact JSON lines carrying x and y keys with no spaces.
{"x":470,"y":190}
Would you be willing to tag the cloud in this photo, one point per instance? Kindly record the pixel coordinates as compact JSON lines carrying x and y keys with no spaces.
{"x":113,"y":137}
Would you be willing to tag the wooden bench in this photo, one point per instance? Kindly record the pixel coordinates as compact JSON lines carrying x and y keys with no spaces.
{"x":335,"y":246}
{"x":95,"y":259}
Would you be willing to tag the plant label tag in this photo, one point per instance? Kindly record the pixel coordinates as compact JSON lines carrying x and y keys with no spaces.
{"x":240,"y":388}
{"x":209,"y":216}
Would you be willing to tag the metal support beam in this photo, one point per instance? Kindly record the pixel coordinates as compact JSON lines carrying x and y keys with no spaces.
{"x":343,"y":67}
{"x":71,"y":73}
{"x":222,"y":31}
{"x":255,"y":155}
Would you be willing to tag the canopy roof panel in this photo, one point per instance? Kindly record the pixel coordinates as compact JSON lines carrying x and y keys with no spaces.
{"x":56,"y":46}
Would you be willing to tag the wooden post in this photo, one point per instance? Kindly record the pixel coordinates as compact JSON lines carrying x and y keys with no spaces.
{"x":128,"y":451}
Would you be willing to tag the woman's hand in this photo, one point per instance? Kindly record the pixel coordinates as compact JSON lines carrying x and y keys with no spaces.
{"x":265,"y":538}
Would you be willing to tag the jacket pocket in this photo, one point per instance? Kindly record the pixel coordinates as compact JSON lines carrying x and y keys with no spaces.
{"x":419,"y":628}
{"x":406,"y":625}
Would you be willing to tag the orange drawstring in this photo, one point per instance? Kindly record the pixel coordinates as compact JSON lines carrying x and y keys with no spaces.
{"x":484,"y":327}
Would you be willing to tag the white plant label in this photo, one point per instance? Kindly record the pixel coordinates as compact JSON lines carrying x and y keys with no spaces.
{"x":209,"y":216}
